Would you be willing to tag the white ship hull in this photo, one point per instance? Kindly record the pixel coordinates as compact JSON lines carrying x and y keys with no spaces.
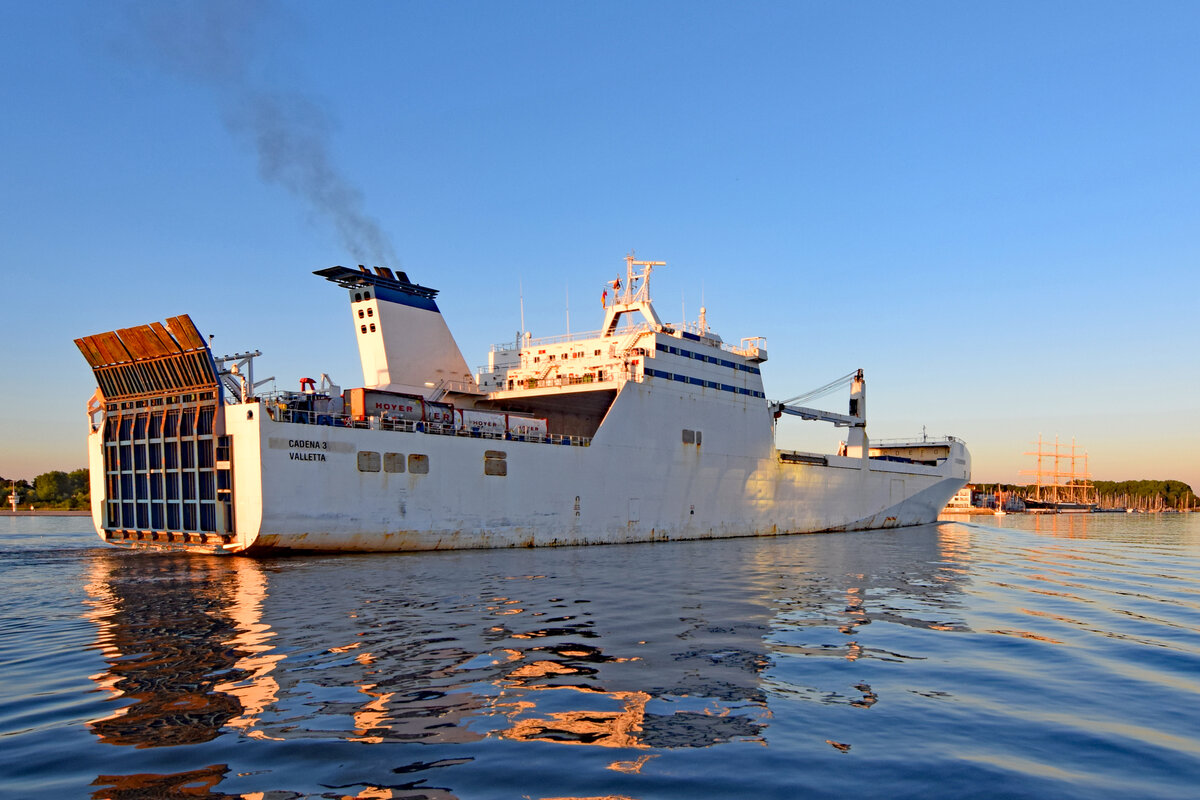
{"x":297,"y":486}
{"x":640,"y":455}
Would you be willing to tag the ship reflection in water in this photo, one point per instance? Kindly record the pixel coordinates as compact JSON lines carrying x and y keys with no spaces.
{"x":314,"y":675}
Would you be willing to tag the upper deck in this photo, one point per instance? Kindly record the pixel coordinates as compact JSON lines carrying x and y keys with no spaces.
{"x":632,"y":344}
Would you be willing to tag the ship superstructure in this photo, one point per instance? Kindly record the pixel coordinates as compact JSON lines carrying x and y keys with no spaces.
{"x":639,"y":431}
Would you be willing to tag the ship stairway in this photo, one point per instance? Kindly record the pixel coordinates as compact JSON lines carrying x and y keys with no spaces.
{"x":629,"y":342}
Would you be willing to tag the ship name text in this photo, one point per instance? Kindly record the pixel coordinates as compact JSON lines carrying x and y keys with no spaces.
{"x":300,"y":445}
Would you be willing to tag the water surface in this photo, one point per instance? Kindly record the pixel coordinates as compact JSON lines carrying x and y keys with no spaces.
{"x":1023,"y":657}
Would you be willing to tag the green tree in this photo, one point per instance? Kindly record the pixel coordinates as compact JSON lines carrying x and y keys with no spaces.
{"x":80,"y":488}
{"x":52,"y":487}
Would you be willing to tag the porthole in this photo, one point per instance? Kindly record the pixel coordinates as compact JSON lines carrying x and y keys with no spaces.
{"x":358,"y":297}
{"x":366,"y":295}
{"x":363,"y":328}
{"x":360,"y":313}
{"x":372,"y":327}
{"x":370,"y":312}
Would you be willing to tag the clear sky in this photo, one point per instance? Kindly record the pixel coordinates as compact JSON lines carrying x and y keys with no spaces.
{"x":993,"y":209}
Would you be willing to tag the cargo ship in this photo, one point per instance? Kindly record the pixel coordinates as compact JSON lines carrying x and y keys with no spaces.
{"x":640,"y":431}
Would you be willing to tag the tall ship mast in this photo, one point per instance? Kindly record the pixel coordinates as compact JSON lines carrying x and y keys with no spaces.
{"x":642,"y":430}
{"x":1056,"y":487}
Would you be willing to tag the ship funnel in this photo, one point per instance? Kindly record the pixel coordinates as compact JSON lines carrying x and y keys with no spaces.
{"x":403,"y":341}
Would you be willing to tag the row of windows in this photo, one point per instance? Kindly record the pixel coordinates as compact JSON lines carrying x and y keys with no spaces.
{"x":679,"y":351}
{"x":363,"y":328}
{"x":724,"y":387}
{"x":565,"y":356}
{"x":370,"y":313}
{"x":360,"y":296}
{"x":495,"y":462}
{"x":369,"y":461}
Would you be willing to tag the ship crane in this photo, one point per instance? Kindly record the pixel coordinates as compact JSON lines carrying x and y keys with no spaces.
{"x":838,"y":420}
{"x":855,"y":419}
{"x":238,"y":377}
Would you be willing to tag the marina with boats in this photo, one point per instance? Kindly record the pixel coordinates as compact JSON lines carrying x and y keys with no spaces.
{"x":1060,"y":486}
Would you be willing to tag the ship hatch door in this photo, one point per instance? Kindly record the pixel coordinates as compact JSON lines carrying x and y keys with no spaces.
{"x":167,"y":466}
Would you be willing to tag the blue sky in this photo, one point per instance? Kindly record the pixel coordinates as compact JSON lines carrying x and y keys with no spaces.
{"x":993,"y":210}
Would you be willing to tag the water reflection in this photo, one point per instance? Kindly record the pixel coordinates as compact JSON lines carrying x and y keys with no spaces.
{"x":914,"y":580}
{"x":168,"y":629}
{"x":639,"y":650}
{"x":194,"y":783}
{"x":1137,"y":528}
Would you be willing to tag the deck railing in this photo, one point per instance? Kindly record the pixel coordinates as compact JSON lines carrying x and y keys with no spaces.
{"x":916,"y":440}
{"x":747,"y":349}
{"x":413,"y":426}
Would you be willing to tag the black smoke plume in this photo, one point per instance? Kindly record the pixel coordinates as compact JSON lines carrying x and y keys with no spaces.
{"x":214,"y":43}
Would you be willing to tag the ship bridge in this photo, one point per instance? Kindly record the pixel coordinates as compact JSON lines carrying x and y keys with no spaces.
{"x":573,"y":379}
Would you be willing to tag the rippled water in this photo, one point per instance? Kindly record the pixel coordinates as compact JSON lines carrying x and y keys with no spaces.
{"x":1047,"y":657}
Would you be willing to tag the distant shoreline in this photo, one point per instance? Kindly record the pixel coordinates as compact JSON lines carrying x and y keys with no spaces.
{"x":45,"y":512}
